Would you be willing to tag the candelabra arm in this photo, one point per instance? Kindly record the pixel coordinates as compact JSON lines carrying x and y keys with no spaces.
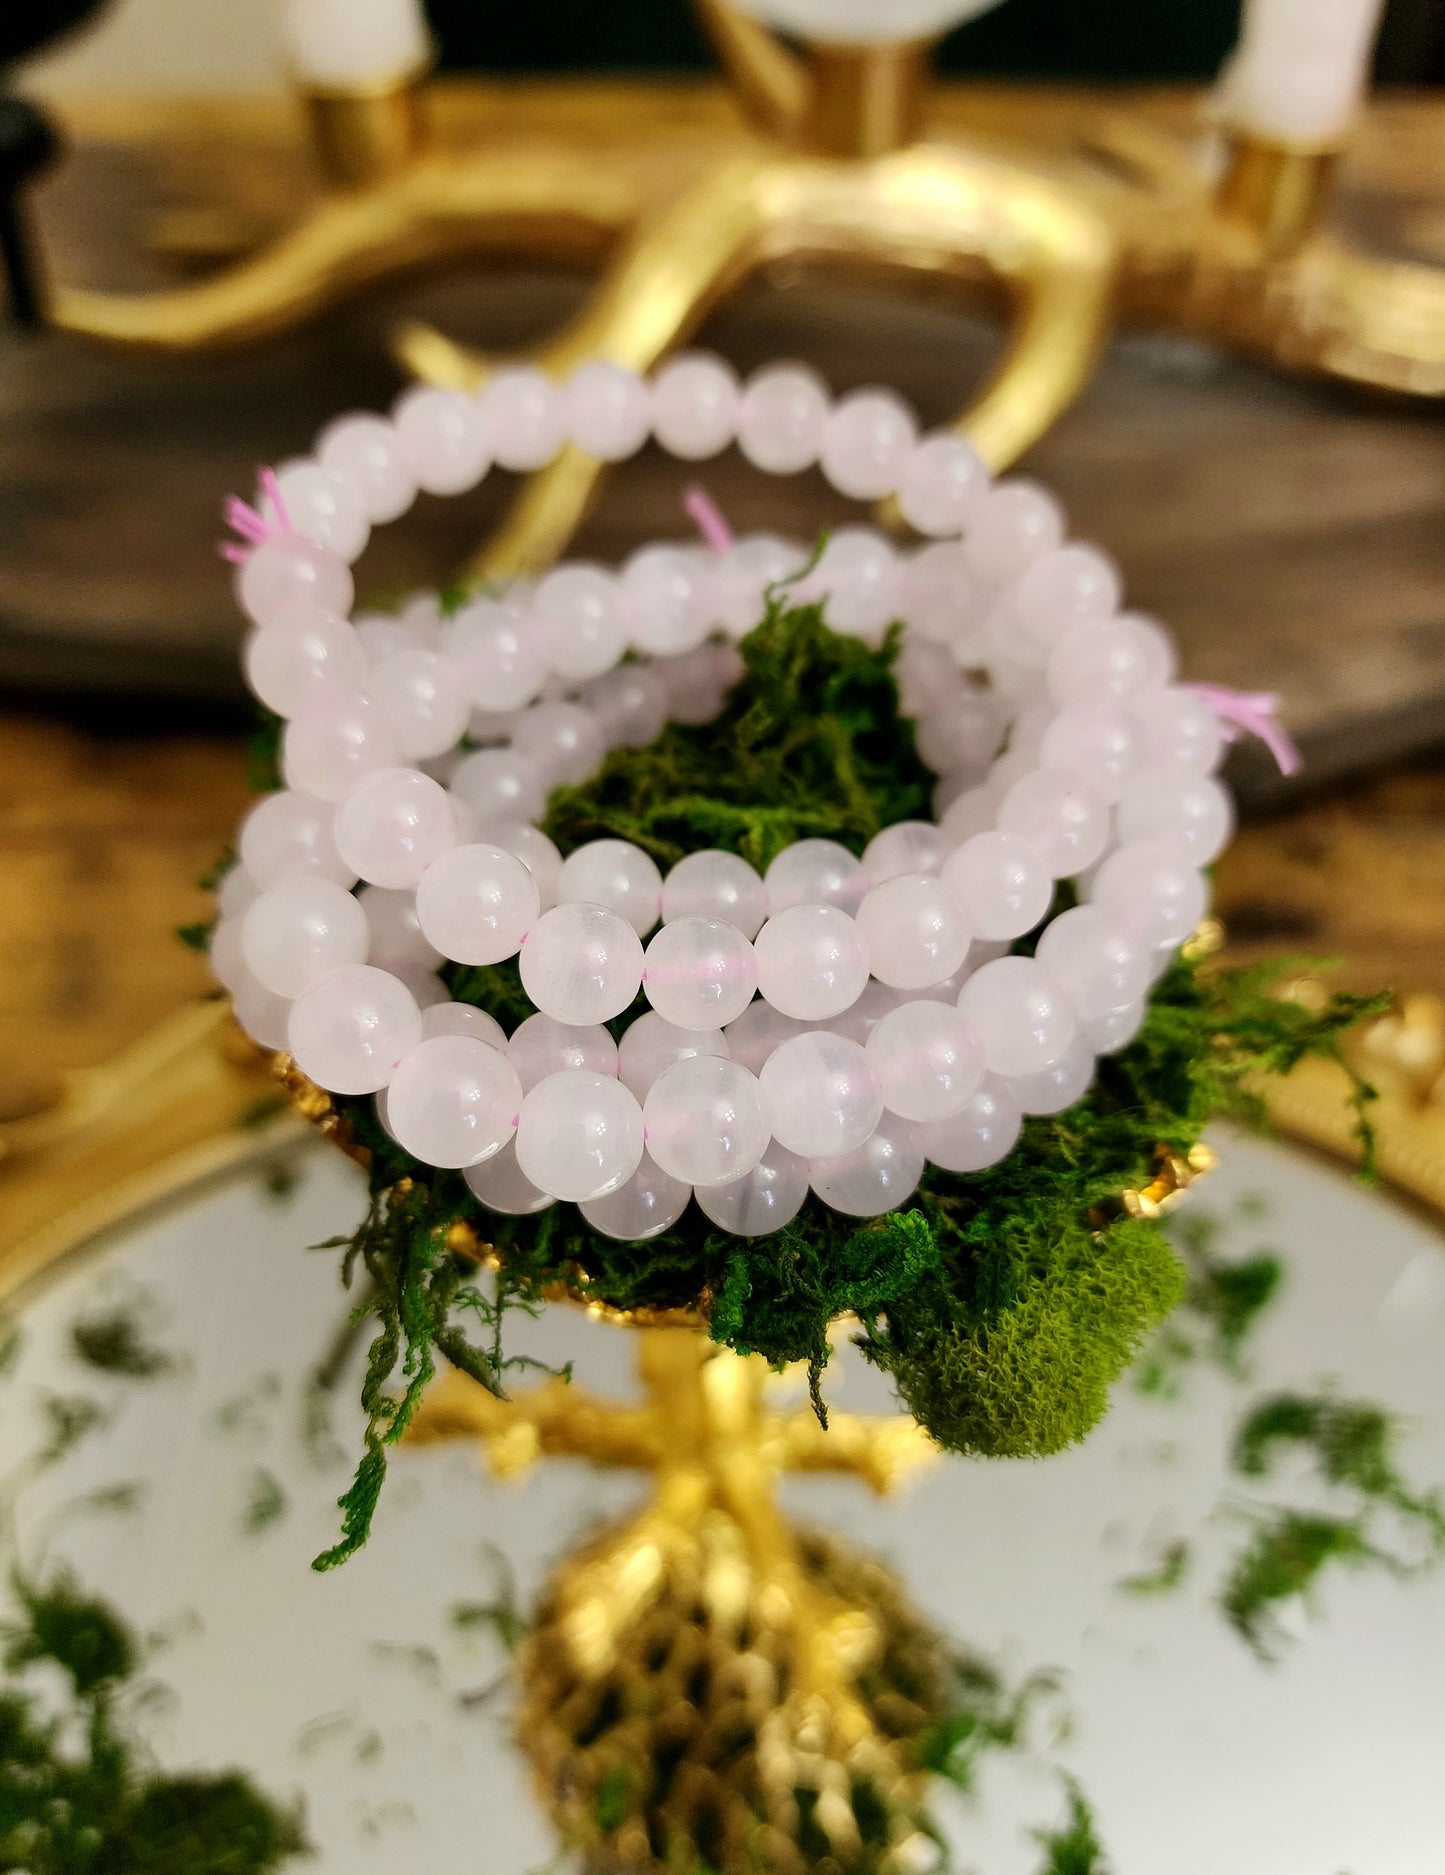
{"x":771,"y":84}
{"x":557,"y":1419}
{"x":552,"y":202}
{"x":883,"y":1453}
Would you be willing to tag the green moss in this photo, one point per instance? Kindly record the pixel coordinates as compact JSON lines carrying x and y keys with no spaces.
{"x":114,"y":1342}
{"x":1074,"y":1849}
{"x":1168,"y":1574}
{"x":1003,"y":1316}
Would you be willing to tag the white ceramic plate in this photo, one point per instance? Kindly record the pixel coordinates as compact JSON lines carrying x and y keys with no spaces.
{"x":1198,"y":1759}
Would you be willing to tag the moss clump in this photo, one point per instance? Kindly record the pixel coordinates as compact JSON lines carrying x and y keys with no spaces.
{"x":77,"y":1792}
{"x":1002,"y":1315}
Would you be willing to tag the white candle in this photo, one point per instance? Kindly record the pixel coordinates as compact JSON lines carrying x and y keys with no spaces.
{"x":1301,"y":68}
{"x":345,"y":44}
{"x":864,"y":22}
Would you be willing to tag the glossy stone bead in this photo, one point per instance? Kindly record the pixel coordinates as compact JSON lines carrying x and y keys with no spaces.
{"x":743,"y":575}
{"x":1064,"y":821}
{"x":1096,"y":960}
{"x":535,"y":850}
{"x":579,"y":1135}
{"x":867,"y":441}
{"x":288,"y":568}
{"x":1154,"y":889}
{"x":914,"y":931}
{"x":781,"y":419}
{"x":561,"y":740}
{"x":705,"y":1120}
{"x":643,"y":1206}
{"x":542,"y":1046}
{"x":394,"y":824}
{"x":1106,"y":1035}
{"x":962,"y":729}
{"x":581,"y":964}
{"x":1181,"y":730}
{"x":365,"y":453}
{"x":821,"y":1095}
{"x":578,"y":621}
{"x":617,"y":874}
{"x":499,"y":658}
{"x":449,"y":1018}
{"x":285,"y":661}
{"x":943,"y":481}
{"x":982,"y":1133}
{"x":1190,"y":810}
{"x":1056,"y":1088}
{"x":1103,"y":746}
{"x":422,"y":693}
{"x":443,"y":439}
{"x":453,"y":1101}
{"x":812,"y":961}
{"x":1110,"y":660}
{"x":879,"y":1176}
{"x":715,"y":884}
{"x":1063,"y":590}
{"x":700,"y":973}
{"x":857,"y":580}
{"x":943,"y":598}
{"x":1018,"y":1016}
{"x":629,"y":705}
{"x":477,"y":903}
{"x":289,"y":833}
{"x":609,"y":410}
{"x":665,"y":601}
{"x":499,"y":784}
{"x":763,"y":1200}
{"x":650,"y":1045}
{"x":1001,"y":884}
{"x":349,"y":1031}
{"x":336,"y":737}
{"x":926,"y":1059}
{"x":695,"y":400}
{"x":302,"y":928}
{"x":757,"y":1032}
{"x":815,"y":872}
{"x":524,"y":418}
{"x":908,"y":846}
{"x":1015,"y":524}
{"x":502,"y":1186}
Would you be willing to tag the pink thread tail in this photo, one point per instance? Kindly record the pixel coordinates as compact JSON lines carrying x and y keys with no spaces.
{"x":709,"y":519}
{"x":268,"y":520}
{"x":1251,"y":713}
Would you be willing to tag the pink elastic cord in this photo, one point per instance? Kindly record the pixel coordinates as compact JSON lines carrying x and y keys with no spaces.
{"x":1251,"y":713}
{"x":268,"y":521}
{"x":709,"y":519}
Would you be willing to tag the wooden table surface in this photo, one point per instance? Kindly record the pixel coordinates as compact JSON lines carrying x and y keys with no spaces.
{"x":1295,"y":536}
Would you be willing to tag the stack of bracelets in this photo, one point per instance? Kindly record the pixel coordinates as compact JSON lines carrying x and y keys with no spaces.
{"x":832,"y":1024}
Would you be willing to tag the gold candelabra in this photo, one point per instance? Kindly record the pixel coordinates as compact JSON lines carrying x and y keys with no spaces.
{"x":842,"y":161}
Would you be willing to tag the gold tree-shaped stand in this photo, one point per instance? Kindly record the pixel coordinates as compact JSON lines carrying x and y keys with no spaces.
{"x":704,"y":1675}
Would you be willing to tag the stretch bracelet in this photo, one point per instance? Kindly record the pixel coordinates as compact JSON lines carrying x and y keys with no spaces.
{"x":831,"y":1025}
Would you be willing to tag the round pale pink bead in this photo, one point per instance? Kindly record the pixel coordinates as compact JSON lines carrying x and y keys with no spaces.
{"x":700,"y":973}
{"x":1180,"y":730}
{"x":943,"y":481}
{"x":705,"y":1120}
{"x":499,"y":657}
{"x":1018,"y":1015}
{"x":942,"y":597}
{"x":857,"y":580}
{"x":1056,"y":1088}
{"x":276,"y":574}
{"x":523,"y":418}
{"x":926,"y":675}
{"x":629,"y":706}
{"x":582,"y":964}
{"x":1106,"y":1035}
{"x":562,"y":740}
{"x":764,"y":1200}
{"x":821,"y":1095}
{"x":443,"y":439}
{"x":422,"y":617}
{"x":962,"y":732}
{"x":646,"y":1205}
{"x":499,"y":784}
{"x":878,"y":1176}
{"x":227,"y":959}
{"x":292,"y":935}
{"x":1064,"y":822}
{"x":578,"y":620}
{"x":781,"y":419}
{"x":501,"y":1185}
{"x":695,"y":403}
{"x":906,"y":846}
{"x":320,"y":506}
{"x":1154,"y":888}
{"x":421,"y":692}
{"x":743,"y":575}
{"x":1110,"y":660}
{"x":1100,"y":744}
{"x":926,"y":1060}
{"x":428,"y":989}
{"x":449,"y":1018}
{"x":541,"y":1046}
{"x":1070,"y":587}
{"x":335,"y":738}
{"x":757,"y":1032}
{"x":697,"y":683}
{"x":609,"y":410}
{"x":476,"y":904}
{"x":617,"y":874}
{"x":1001,"y":883}
{"x":665,"y":601}
{"x":453,"y":1101}
{"x":982,"y":1133}
{"x":1191,"y":810}
{"x":1015,"y":524}
{"x":236,"y":891}
{"x":715,"y":884}
{"x":287,"y":833}
{"x":1096,"y":960}
{"x":859,"y":1021}
{"x":349,"y":1031}
{"x":867,"y":441}
{"x":365,"y":453}
{"x":579,"y":1135}
{"x":815,"y":872}
{"x":530,"y":845}
{"x":285,"y":661}
{"x":651,"y":1045}
{"x":812,"y":961}
{"x":914,"y":931}
{"x":264,"y":1015}
{"x":393,"y":824}
{"x":381,"y":634}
